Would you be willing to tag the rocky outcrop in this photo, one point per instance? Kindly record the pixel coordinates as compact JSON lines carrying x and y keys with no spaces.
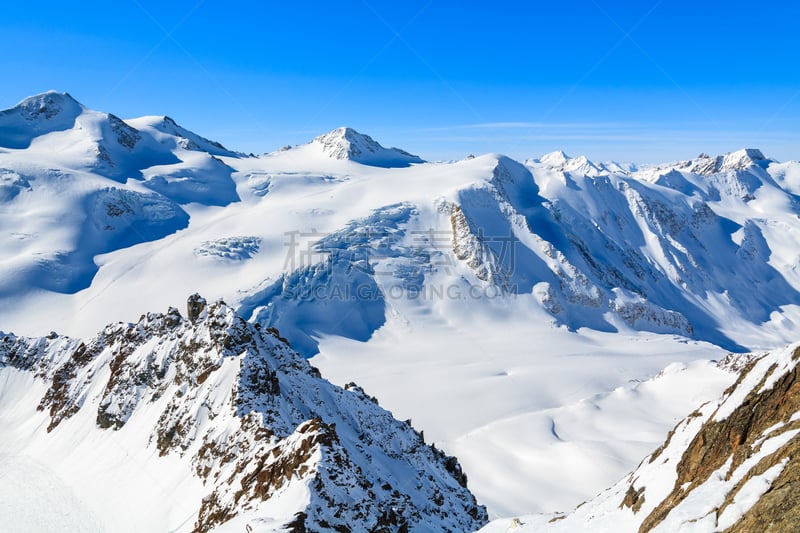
{"x":470,"y":248}
{"x":251,"y":419}
{"x":37,"y":115}
{"x":732,"y":465}
{"x":735,"y":444}
{"x":195,"y":305}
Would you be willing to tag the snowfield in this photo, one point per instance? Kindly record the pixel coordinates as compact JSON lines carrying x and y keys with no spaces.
{"x":548,"y":322}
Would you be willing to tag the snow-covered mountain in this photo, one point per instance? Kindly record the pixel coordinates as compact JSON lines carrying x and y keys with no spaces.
{"x":38,"y":115}
{"x":660,"y":249}
{"x":76,"y":183}
{"x":514,"y":311}
{"x":347,"y":143}
{"x":731,"y":465}
{"x":254,"y":435}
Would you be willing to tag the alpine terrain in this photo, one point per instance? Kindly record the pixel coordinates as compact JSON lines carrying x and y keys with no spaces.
{"x":256,"y":438}
{"x":548,"y":322}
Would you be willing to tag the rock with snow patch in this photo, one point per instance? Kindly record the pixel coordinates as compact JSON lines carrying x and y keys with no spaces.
{"x":250,"y":419}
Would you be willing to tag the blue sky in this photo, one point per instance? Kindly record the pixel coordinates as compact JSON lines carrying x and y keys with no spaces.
{"x":652,"y":81}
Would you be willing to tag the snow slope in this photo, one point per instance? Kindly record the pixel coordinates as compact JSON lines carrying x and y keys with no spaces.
{"x":730,"y":465}
{"x":348,"y":144}
{"x":488,"y":300}
{"x":85,"y":183}
{"x":205,"y":419}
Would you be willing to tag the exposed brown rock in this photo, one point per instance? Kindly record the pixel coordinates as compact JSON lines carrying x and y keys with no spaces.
{"x":736,"y":438}
{"x":194,"y":306}
{"x":633,"y":499}
{"x":63,"y":405}
{"x":286,"y":426}
{"x":778,"y":510}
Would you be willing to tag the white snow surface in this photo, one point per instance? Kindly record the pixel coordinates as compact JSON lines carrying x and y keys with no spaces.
{"x":517,"y":313}
{"x":656,"y":476}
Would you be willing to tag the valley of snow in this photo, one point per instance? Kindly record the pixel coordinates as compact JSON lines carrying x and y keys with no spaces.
{"x":547,"y":322}
{"x":730,"y":465}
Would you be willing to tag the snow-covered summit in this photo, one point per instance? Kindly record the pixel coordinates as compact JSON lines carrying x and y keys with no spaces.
{"x":742,"y":175}
{"x":164,"y":127}
{"x":112,"y":217}
{"x":76,"y":125}
{"x":108,"y":183}
{"x":37,"y":115}
{"x":743,"y":159}
{"x":581,"y":164}
{"x":348,"y":144}
{"x":47,"y":105}
{"x":554,"y":159}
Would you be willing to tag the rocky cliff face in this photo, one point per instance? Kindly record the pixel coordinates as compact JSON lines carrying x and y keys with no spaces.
{"x":746,"y":451}
{"x":731,"y":465}
{"x":252,"y":420}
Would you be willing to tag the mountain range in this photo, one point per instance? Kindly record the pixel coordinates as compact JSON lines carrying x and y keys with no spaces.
{"x":547,"y":321}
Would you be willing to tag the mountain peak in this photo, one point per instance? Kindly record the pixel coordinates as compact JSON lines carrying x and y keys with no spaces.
{"x":47,"y":104}
{"x":186,"y":139}
{"x":36,"y":115}
{"x":732,"y":161}
{"x":554,"y":159}
{"x":348,"y":133}
{"x":193,"y":140}
{"x":741,"y":159}
{"x":347,"y":144}
{"x":579,"y":165}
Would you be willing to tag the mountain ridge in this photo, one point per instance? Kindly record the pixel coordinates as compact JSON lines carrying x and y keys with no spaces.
{"x":291,"y":428}
{"x":538,"y":286}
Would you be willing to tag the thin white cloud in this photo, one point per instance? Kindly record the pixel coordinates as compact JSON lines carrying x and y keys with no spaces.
{"x":528,"y":125}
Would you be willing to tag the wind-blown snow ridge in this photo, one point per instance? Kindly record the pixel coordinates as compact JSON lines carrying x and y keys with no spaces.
{"x":245,"y":416}
{"x":187,"y":140}
{"x":742,"y":159}
{"x":579,"y":165}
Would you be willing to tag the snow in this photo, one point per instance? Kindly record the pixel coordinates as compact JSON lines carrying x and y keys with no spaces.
{"x":502,"y":399}
{"x":655,"y":476}
{"x":749,"y":494}
{"x":35,"y":116}
{"x":187,"y":393}
{"x":347,"y":144}
{"x":74,"y":469}
{"x":535,"y":371}
{"x":763,"y":371}
{"x":167,"y":131}
{"x":236,"y":248}
{"x":35,"y":500}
